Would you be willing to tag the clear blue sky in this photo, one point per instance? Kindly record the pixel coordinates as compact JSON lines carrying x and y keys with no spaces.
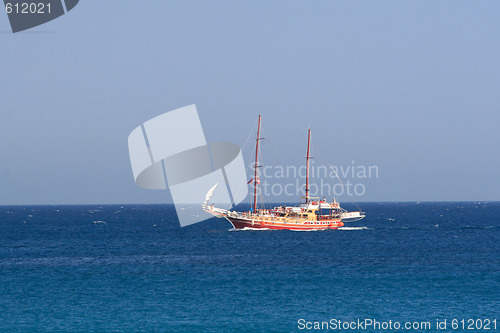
{"x":409,"y":86}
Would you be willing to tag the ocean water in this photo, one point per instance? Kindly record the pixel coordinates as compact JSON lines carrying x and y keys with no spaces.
{"x":132,"y":268}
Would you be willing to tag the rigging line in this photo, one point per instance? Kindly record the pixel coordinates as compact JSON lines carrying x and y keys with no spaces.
{"x":331,"y":167}
{"x":242,"y":148}
{"x":262,"y":202}
{"x":288,"y":123}
{"x":249,"y":134}
{"x":247,"y":169}
{"x":262,"y":198}
{"x":275,"y":152}
{"x":340,"y":180}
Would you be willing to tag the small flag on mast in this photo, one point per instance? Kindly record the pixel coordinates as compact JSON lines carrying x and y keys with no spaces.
{"x":251,"y":180}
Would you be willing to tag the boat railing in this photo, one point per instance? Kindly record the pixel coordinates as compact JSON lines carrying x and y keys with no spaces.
{"x":266,"y":217}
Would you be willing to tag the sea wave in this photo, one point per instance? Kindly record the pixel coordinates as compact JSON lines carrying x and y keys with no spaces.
{"x":355,"y":228}
{"x":249,"y":229}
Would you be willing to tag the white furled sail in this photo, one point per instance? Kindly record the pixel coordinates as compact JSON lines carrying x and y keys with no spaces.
{"x":210,"y":193}
{"x":351,"y":216}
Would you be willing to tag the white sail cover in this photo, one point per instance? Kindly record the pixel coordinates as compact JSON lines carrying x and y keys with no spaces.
{"x":351,"y":215}
{"x":210,"y":193}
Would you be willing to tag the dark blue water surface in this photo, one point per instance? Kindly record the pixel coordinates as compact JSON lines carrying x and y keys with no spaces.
{"x":132,"y":268}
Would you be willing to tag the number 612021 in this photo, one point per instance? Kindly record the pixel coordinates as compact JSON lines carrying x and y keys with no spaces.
{"x":27,"y":8}
{"x":474,"y":324}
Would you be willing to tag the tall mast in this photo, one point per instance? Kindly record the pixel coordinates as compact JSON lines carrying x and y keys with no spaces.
{"x":307,"y":165}
{"x":255,"y":180}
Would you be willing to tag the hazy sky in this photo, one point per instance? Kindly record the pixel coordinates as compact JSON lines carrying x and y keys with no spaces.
{"x":411,"y":87}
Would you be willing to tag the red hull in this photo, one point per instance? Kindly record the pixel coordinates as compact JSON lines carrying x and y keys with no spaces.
{"x":243,"y":223}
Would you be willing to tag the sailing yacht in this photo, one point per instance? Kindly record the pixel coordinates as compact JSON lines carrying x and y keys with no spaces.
{"x":312,"y":214}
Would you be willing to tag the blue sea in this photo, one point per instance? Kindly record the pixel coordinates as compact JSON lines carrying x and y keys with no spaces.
{"x":132,"y":268}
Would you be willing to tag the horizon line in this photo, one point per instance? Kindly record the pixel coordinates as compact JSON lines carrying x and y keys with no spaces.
{"x":271,"y":203}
